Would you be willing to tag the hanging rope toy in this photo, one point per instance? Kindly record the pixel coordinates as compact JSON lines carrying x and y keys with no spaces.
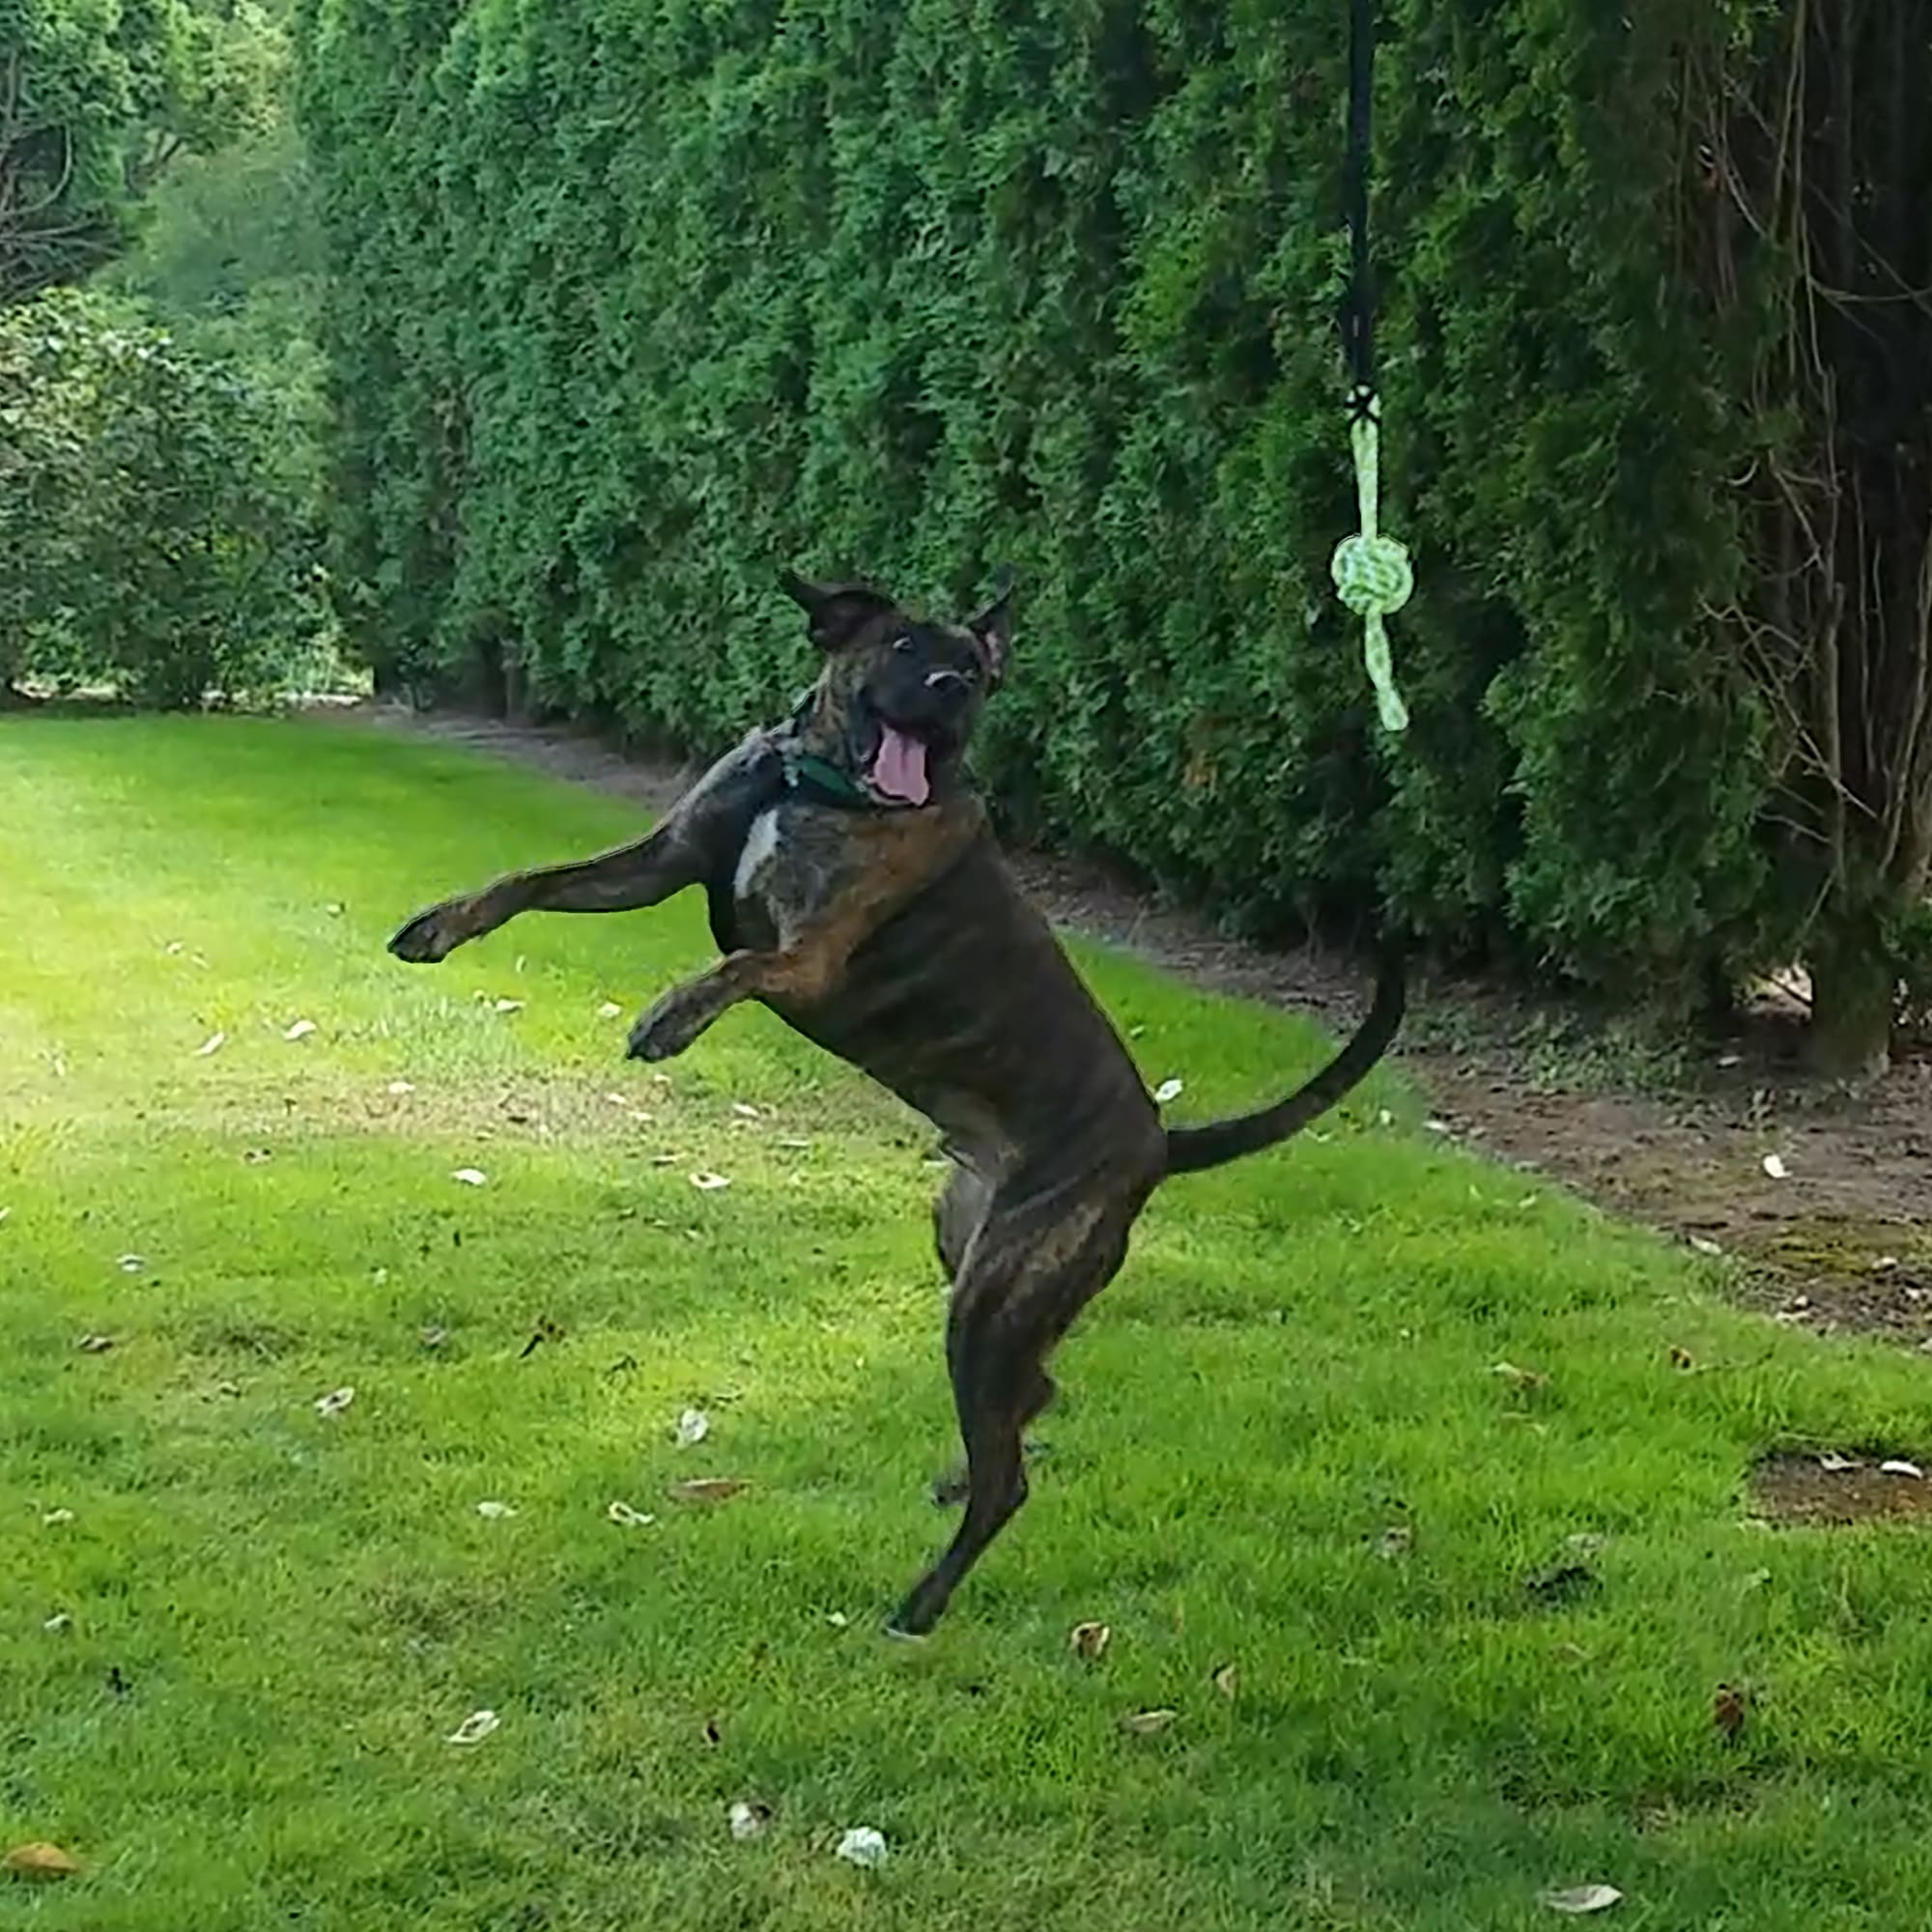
{"x":1373,"y":574}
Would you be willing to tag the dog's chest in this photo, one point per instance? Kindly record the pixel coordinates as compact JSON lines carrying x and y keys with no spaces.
{"x":757,"y":858}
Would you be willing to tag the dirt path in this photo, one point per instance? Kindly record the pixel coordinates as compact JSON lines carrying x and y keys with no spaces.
{"x":1839,"y":1237}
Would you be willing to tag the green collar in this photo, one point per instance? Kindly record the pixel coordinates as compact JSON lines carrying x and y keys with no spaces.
{"x":824,"y":784}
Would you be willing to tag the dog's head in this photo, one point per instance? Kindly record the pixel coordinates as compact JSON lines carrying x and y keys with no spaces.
{"x":900,"y":694}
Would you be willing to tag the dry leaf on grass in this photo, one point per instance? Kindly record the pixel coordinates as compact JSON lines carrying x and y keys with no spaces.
{"x":1524,"y":1381}
{"x":95,"y":1345}
{"x":54,"y":1519}
{"x":1578,"y":1900}
{"x":1836,"y":1465}
{"x":59,"y":1624}
{"x":744,"y":1110}
{"x":299,"y":1030}
{"x":1145,"y":1723}
{"x":42,"y":1860}
{"x":863,"y":1846}
{"x":1090,"y":1641}
{"x":1710,"y":1249}
{"x":708,"y":1490}
{"x":1898,"y":1466}
{"x":334,"y":1401}
{"x":213,"y":1044}
{"x":748,"y":1819}
{"x":692,"y":1427}
{"x":471,"y":1176}
{"x":131,"y":1264}
{"x":495,"y":1512}
{"x":610,"y":1011}
{"x":1773,"y":1165}
{"x":1728,"y":1712}
{"x":474,"y":1728}
{"x":622,"y":1513}
{"x":433,"y":1336}
{"x":509,"y":1006}
{"x":1169,"y":1090}
{"x":401,"y":1087}
{"x":1227,"y":1680}
{"x":710,"y":1183}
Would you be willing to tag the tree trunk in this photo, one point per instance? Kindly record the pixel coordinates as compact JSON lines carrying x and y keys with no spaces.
{"x":1853,"y":1004}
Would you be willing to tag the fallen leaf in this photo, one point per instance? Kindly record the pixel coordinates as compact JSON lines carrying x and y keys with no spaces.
{"x":1773,"y":1165}
{"x":748,"y":1820}
{"x":1145,"y":1723}
{"x":1090,"y":1641}
{"x":1836,"y":1465}
{"x":1227,"y":1680}
{"x":433,"y":1336}
{"x":509,"y":1006}
{"x":708,"y":1490}
{"x":474,"y":1728}
{"x":692,"y":1427}
{"x":610,"y":1011}
{"x":794,"y":1145}
{"x":630,"y":1519}
{"x":1704,"y":1247}
{"x":1730,"y":1059}
{"x":744,"y":1110}
{"x":402,"y":1087}
{"x":131,"y":1264}
{"x":1169,"y":1090}
{"x":1562,"y":1583}
{"x":1898,"y":1466}
{"x":1583,"y":1898}
{"x":59,"y":1624}
{"x":335,"y":908}
{"x":471,"y":1176}
{"x":495,"y":1512}
{"x":1384,"y":1119}
{"x":213,"y":1044}
{"x":300,"y":1030}
{"x":1525,"y":1380}
{"x":839,"y":1620}
{"x":42,"y":1862}
{"x":1436,"y":1127}
{"x":334,"y":1403}
{"x":1728,"y":1712}
{"x":709,"y":1183}
{"x":95,"y":1345}
{"x":54,"y":1519}
{"x":863,"y":1846}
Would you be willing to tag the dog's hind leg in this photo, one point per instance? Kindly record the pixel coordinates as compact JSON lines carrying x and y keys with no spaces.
{"x":1034,"y":1264}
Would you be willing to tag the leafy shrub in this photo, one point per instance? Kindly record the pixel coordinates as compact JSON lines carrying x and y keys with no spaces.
{"x":154,"y":533}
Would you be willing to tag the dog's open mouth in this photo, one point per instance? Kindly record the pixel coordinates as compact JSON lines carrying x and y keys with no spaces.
{"x":898,"y":767}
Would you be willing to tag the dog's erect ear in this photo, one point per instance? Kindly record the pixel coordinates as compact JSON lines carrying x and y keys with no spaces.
{"x":993,"y":626}
{"x":835,"y":612}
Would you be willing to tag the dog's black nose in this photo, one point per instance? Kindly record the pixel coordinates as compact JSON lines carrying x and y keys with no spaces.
{"x":948,"y":686}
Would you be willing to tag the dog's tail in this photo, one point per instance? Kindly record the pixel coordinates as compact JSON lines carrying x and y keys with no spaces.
{"x":1189,"y":1149}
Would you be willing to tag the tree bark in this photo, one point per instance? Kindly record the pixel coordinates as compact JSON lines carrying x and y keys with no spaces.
{"x":1854,"y":1003}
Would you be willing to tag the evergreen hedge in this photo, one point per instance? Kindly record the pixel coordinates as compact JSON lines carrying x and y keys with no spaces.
{"x":638,"y":299}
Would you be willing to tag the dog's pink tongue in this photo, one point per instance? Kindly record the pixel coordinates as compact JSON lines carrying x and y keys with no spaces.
{"x":898,"y":771}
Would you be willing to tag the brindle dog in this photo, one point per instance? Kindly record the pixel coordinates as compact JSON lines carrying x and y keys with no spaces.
{"x":856,"y":890}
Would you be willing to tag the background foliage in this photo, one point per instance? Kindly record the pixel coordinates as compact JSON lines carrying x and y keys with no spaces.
{"x":636,"y":301}
{"x":159,"y":526}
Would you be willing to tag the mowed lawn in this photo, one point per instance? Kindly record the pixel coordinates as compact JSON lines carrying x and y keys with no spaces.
{"x":236,"y":1632}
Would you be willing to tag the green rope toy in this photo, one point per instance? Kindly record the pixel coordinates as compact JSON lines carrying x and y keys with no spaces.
{"x":1374,"y":576}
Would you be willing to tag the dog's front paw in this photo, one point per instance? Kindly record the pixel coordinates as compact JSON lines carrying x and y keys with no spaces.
{"x":436,"y":934}
{"x":667,"y":1027}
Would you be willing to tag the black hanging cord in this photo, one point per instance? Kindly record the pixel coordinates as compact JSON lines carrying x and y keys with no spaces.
{"x":1358,"y":307}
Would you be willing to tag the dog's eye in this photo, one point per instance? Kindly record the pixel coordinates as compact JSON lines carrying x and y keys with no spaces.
{"x":903,"y":644}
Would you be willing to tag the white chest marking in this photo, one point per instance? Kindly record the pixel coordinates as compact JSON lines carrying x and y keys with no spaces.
{"x":761,"y":845}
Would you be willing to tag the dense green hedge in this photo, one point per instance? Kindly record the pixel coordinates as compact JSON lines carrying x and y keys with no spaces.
{"x":637,"y":302}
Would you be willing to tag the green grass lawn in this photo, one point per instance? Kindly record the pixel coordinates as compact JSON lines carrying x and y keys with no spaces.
{"x":1282,"y":1446}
